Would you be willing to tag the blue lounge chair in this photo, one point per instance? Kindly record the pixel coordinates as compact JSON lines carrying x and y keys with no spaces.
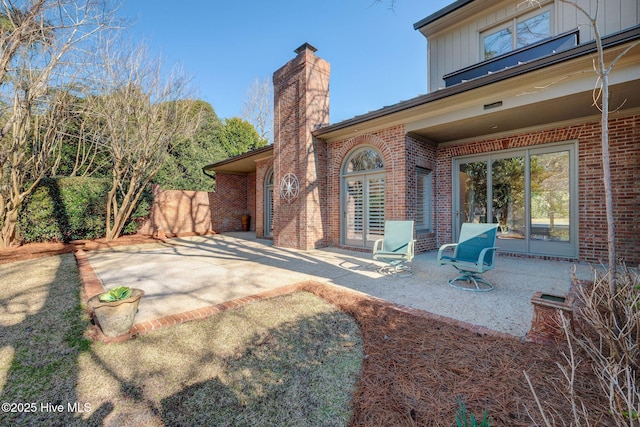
{"x":472,"y":255}
{"x":396,"y":249}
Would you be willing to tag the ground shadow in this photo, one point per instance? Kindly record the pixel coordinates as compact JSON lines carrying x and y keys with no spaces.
{"x":294,"y":373}
{"x":44,"y":343}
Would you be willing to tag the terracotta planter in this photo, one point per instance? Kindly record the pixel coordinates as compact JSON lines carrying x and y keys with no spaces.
{"x":246,"y":222}
{"x":116,"y":318}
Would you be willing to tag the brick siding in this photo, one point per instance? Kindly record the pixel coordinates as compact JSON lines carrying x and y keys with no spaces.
{"x":314,"y":218}
{"x":301,"y":102}
{"x":625,"y":163}
{"x":178,"y":212}
{"x":229,"y":202}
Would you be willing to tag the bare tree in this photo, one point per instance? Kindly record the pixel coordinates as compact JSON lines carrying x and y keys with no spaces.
{"x":42,"y":49}
{"x":139,"y":112}
{"x":258,"y":107}
{"x":603,"y":70}
{"x":601,"y":99}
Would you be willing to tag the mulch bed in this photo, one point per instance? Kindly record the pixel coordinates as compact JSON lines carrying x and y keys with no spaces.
{"x":416,"y":368}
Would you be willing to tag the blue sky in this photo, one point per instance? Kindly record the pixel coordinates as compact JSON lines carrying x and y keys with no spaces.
{"x":377,"y":58}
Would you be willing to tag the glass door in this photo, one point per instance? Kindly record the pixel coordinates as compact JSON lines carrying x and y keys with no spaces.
{"x":354,"y":211}
{"x":532,"y":198}
{"x":508,"y":202}
{"x":472,"y":193}
{"x":268,"y":205}
{"x":364,"y":209}
{"x":551,"y":224}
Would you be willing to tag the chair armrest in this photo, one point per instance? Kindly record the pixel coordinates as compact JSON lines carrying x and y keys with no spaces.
{"x":444,"y":248}
{"x":483,"y":253}
{"x":378,"y":246}
{"x":410,"y":250}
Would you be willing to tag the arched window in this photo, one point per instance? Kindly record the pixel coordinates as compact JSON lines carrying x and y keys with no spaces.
{"x":366,"y":159}
{"x":363,"y":197}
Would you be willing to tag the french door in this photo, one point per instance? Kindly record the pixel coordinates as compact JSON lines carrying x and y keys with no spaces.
{"x":363,"y":209}
{"x":531,"y":194}
{"x":268,"y":205}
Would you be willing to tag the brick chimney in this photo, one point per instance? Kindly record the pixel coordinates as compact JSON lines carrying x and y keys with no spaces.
{"x":301,"y":104}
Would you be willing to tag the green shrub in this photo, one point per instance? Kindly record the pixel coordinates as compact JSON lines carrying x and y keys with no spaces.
{"x":72,"y":208}
{"x":64,"y":209}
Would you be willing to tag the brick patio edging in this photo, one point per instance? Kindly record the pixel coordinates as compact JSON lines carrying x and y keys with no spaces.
{"x":91,"y":285}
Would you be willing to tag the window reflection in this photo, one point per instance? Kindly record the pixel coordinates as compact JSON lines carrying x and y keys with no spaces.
{"x":518,"y":33}
{"x":550,"y":197}
{"x":363,"y":160}
{"x":508,"y":194}
{"x":473,"y":192}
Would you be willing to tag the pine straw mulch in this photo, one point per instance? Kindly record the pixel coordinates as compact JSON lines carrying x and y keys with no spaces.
{"x":416,"y":367}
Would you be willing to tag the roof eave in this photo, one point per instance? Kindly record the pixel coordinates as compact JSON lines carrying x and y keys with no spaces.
{"x":253,"y":153}
{"x":616,"y":39}
{"x":441,"y":13}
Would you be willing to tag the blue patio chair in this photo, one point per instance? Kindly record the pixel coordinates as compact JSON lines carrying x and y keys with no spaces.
{"x":396,"y":249}
{"x":472,"y":255}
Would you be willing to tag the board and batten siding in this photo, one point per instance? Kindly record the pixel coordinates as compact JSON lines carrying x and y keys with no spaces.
{"x":459,"y":45}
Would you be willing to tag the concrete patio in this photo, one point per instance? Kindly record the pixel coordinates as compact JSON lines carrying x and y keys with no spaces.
{"x":195,"y":272}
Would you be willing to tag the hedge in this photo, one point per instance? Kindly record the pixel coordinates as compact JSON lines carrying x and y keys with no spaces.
{"x":65,"y":209}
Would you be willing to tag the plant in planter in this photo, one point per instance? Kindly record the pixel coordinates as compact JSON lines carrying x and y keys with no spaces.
{"x":116,"y":309}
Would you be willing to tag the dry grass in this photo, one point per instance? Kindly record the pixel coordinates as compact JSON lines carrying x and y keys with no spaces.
{"x":40,"y":337}
{"x":291,"y":360}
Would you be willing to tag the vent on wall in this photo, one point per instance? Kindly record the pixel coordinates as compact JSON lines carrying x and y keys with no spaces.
{"x":493,"y":105}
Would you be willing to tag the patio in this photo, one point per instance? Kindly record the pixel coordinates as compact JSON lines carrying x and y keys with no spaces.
{"x":196,"y":272}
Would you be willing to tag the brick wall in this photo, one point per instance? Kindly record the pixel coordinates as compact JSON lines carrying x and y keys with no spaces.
{"x":625,"y":161}
{"x":251,"y":200}
{"x":229,"y":202}
{"x":391,"y":143}
{"x":301,"y":102}
{"x":178,"y":212}
{"x":624,"y":135}
{"x":401,"y":154}
{"x":422,"y":154}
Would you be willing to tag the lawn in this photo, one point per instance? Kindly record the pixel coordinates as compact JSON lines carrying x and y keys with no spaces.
{"x":292,"y":360}
{"x":320,"y":357}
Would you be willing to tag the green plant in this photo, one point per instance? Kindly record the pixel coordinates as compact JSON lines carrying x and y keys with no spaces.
{"x":465,"y":419}
{"x":64,"y":209}
{"x":115,"y":294}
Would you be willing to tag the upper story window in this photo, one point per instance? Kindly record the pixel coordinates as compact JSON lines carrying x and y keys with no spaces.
{"x":516,"y":33}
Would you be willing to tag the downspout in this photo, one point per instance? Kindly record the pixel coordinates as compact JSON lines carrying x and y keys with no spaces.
{"x":204,"y":171}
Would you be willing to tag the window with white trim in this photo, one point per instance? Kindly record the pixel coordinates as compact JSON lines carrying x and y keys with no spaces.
{"x":424,"y":190}
{"x":516,"y":33}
